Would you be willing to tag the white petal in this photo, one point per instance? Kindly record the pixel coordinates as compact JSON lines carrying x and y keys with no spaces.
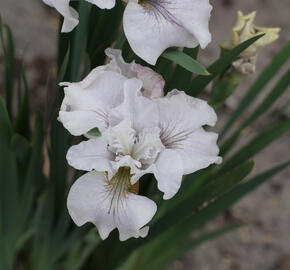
{"x":71,"y":16}
{"x":121,"y":138}
{"x":90,"y":200}
{"x":136,"y":212}
{"x":141,"y":111}
{"x":118,"y":64}
{"x":104,"y":4}
{"x":127,"y":161}
{"x":153,"y":83}
{"x":148,"y":145}
{"x":168,"y":173}
{"x":198,"y":150}
{"x":79,"y":122}
{"x":87,"y":103}
{"x":162,"y":24}
{"x":180,"y":112}
{"x":90,"y":155}
{"x":181,"y":121}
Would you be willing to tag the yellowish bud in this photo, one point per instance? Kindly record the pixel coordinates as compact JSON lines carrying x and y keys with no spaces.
{"x":246,"y":29}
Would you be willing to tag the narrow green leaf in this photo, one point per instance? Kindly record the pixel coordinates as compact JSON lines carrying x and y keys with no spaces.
{"x":6,"y":39}
{"x":22,"y":123}
{"x":255,"y":146}
{"x":79,"y":41}
{"x":277,"y":91}
{"x":121,"y":40}
{"x":219,"y":67}
{"x":211,"y":190}
{"x":8,"y":192}
{"x":177,"y":234}
{"x":181,"y":78}
{"x":58,"y":95}
{"x":21,"y":148}
{"x":173,"y":252}
{"x":185,"y":61}
{"x":34,"y":178}
{"x":270,"y":71}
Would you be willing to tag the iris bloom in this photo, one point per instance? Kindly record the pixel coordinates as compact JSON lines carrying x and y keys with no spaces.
{"x":152,"y":26}
{"x":163,"y":136}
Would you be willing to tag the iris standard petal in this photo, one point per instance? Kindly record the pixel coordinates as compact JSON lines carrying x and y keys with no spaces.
{"x":141,"y":111}
{"x":93,"y":97}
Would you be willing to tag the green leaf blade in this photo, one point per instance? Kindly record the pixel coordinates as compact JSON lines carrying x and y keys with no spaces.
{"x":186,"y":62}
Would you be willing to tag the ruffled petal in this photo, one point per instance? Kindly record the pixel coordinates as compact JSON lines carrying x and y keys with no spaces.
{"x":154,"y":26}
{"x":118,"y":64}
{"x":148,"y":145}
{"x":181,"y":121}
{"x":168,"y":173}
{"x":91,"y":155}
{"x":198,"y":151}
{"x":181,"y":113}
{"x":141,"y":111}
{"x":90,"y":200}
{"x":93,"y":98}
{"x":121,"y":138}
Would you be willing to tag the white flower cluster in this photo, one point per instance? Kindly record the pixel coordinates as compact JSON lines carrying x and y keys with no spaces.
{"x":152,"y":26}
{"x":143,"y":132}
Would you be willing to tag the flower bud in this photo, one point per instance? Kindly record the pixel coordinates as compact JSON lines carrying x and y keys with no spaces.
{"x":246,"y":29}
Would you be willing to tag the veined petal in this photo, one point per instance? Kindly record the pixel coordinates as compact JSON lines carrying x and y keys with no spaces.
{"x":181,"y":114}
{"x":93,"y":97}
{"x":198,"y":150}
{"x":141,"y":111}
{"x":93,"y":199}
{"x":181,"y":121}
{"x":155,"y":25}
{"x":91,"y":155}
{"x":168,"y":173}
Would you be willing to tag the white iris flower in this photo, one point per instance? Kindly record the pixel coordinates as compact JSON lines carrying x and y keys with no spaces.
{"x":163,"y":136}
{"x":152,"y":26}
{"x":142,"y":132}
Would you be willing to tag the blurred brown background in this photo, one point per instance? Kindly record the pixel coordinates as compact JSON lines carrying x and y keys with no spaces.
{"x":265,"y":243}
